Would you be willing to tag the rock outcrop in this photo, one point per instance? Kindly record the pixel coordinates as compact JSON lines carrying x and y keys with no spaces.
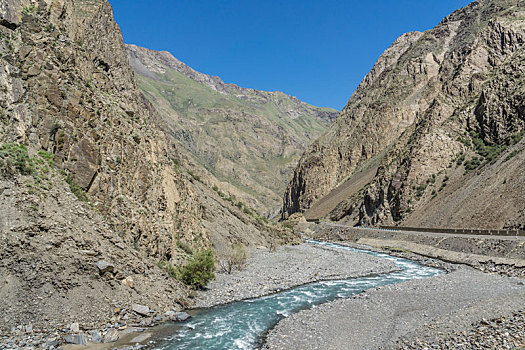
{"x":441,"y":117}
{"x":87,"y":174}
{"x":247,"y":140}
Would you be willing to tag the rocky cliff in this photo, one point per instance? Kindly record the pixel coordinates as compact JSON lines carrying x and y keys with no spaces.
{"x":435,"y":127}
{"x":248,"y":140}
{"x":87,"y":174}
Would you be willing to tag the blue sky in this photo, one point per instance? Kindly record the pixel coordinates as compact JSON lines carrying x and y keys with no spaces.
{"x":316,"y":50}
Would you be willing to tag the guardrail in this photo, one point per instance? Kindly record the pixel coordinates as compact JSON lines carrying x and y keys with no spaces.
{"x":457,"y":231}
{"x":481,"y":232}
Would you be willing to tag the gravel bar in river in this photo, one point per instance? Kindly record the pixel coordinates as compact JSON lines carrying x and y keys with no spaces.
{"x":422,"y":310}
{"x":268,"y":272}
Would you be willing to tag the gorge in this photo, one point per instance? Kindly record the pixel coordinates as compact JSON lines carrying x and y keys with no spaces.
{"x":136,"y":192}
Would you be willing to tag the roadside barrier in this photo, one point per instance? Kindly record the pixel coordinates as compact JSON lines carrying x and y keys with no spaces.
{"x":457,"y":231}
{"x":507,"y":232}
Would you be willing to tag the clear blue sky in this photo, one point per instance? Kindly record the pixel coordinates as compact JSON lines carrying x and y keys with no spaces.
{"x":316,"y":50}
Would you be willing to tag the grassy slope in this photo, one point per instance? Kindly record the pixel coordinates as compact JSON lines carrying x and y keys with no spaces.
{"x":225,"y":132}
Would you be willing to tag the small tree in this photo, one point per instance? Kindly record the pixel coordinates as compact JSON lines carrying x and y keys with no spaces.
{"x":199,"y":270}
{"x":235,"y":258}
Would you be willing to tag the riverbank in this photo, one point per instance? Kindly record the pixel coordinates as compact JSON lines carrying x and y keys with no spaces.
{"x":433,"y":313}
{"x":268,"y":272}
{"x":265,"y":273}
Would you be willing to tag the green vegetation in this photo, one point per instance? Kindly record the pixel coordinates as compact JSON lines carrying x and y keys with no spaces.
{"x":199,"y":270}
{"x":460,"y":159}
{"x":77,"y":190}
{"x":170,"y":269}
{"x":487,"y":151}
{"x":176,"y":163}
{"x":431,"y":179}
{"x":511,"y":155}
{"x":230,"y":126}
{"x":517,"y":137}
{"x":193,"y":176}
{"x":472,"y":164}
{"x":420,"y":190}
{"x":466,"y":142}
{"x":443,"y":183}
{"x":15,"y":159}
{"x":197,"y":273}
{"x":234,"y":259}
{"x":185,"y":247}
{"x":29,"y":10}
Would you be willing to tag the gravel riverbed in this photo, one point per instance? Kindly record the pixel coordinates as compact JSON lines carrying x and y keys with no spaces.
{"x":428,"y":313}
{"x":269,"y":272}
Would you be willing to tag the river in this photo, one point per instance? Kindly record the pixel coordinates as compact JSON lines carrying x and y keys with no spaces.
{"x":243,"y":324}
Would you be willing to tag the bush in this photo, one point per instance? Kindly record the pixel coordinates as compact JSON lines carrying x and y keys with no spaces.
{"x":420,"y":190}
{"x":511,"y":155}
{"x":185,"y":247}
{"x":199,"y":270}
{"x":14,"y":158}
{"x":460,"y":159}
{"x":77,"y":190}
{"x":235,"y":258}
{"x":472,"y":164}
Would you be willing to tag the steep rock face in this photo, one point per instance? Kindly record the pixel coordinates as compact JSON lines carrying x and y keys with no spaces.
{"x":447,"y":113}
{"x":249,"y":140}
{"x":69,"y":90}
{"x":68,"y":94}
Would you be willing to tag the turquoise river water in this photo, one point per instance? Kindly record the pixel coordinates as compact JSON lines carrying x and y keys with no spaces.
{"x":242,"y":324}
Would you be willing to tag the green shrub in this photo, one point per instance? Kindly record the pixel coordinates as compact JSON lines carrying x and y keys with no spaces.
{"x":48,"y":157}
{"x":77,"y":190}
{"x":234,"y":258}
{"x":511,"y":155}
{"x":194,"y":176}
{"x":199,"y":270}
{"x":517,"y":137}
{"x":486,"y":150}
{"x":28,"y":10}
{"x":420,"y":190}
{"x":472,"y":164}
{"x":185,"y":247}
{"x":14,"y":158}
{"x":460,"y":159}
{"x":464,"y":141}
{"x":431,"y":179}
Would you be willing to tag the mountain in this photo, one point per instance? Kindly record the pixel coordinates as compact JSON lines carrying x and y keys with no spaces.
{"x":249,"y":140}
{"x":93,"y":198}
{"x":433,"y":134}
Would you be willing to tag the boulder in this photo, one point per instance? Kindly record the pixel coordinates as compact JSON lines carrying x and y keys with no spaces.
{"x":182,"y":316}
{"x":104,"y":266}
{"x":76,"y":339}
{"x":111,"y":336}
{"x":128,"y":281}
{"x":96,"y":337}
{"x":75,"y":327}
{"x":140,"y":309}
